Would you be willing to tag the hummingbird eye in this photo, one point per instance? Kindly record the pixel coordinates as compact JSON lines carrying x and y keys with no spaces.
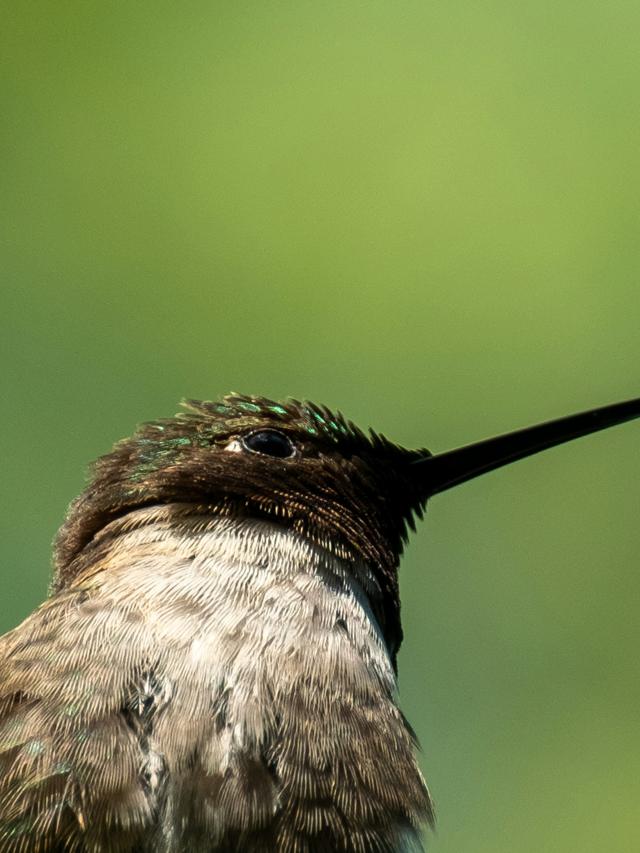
{"x":270,"y":442}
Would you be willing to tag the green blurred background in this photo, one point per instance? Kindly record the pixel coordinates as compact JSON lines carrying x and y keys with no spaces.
{"x":424,"y":214}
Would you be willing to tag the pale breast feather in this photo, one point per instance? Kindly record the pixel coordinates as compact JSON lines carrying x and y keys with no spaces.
{"x":211,"y":684}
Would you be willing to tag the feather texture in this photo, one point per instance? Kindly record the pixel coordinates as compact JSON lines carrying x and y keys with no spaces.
{"x":206,"y":683}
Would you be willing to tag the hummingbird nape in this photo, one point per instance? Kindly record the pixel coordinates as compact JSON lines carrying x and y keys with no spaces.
{"x":215,"y":667}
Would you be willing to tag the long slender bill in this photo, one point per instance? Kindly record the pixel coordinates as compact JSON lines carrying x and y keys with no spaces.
{"x":444,"y":470}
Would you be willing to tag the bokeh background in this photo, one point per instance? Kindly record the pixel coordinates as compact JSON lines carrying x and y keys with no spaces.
{"x":425,"y":214}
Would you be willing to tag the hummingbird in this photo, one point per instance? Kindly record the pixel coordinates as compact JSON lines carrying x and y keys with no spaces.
{"x":215,"y":666}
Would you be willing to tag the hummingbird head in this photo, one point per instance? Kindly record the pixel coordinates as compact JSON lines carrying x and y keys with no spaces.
{"x":297,"y":464}
{"x":301,"y":466}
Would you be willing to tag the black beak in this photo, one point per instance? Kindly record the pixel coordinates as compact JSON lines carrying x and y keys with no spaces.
{"x":443,"y":470}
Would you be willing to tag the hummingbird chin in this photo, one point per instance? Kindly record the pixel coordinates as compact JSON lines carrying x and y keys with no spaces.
{"x":215,"y":667}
